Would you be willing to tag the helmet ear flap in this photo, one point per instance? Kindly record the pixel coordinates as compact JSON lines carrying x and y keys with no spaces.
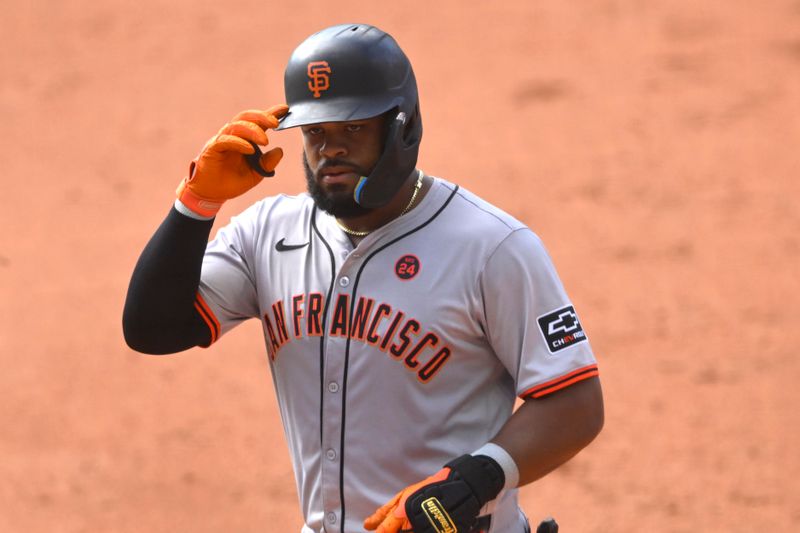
{"x":395,"y":163}
{"x":412,"y":133}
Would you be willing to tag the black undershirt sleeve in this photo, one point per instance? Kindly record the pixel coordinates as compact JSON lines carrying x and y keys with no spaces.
{"x":160,"y":315}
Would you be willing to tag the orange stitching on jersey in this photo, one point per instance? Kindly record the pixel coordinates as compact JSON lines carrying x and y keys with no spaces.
{"x":340,"y":322}
{"x":315,"y":309}
{"x":561,"y":382}
{"x":274,"y":345}
{"x":362,"y":316}
{"x":280,"y":322}
{"x":382,"y":311}
{"x":297,"y":313}
{"x":388,"y":336}
{"x":208,"y":317}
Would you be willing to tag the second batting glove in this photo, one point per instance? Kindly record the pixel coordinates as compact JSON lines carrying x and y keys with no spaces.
{"x":450,"y":500}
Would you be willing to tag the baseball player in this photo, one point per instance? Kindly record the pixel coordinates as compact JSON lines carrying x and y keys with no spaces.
{"x":402,"y":314}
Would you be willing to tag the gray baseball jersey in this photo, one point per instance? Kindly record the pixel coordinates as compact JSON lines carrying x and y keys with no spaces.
{"x":391,"y":358}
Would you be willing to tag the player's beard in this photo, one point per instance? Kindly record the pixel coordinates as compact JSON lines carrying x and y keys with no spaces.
{"x":338,"y":202}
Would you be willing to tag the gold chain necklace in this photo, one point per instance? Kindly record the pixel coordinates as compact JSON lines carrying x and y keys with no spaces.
{"x":354,"y":233}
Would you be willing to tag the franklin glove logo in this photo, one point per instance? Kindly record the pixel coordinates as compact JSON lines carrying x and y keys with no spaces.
{"x":319,"y":77}
{"x":440,"y":520}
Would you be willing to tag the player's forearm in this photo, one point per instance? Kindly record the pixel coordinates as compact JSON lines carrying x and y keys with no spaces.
{"x":159,"y":315}
{"x":545,"y":433}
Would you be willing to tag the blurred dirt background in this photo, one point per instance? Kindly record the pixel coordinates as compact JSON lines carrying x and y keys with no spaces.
{"x":652,"y":145}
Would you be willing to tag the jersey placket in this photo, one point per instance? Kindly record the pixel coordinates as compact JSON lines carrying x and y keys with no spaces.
{"x":333,"y":409}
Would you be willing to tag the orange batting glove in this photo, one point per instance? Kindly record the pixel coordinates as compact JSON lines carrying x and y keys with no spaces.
{"x":448,"y":501}
{"x":391,"y":518}
{"x":222,"y":170}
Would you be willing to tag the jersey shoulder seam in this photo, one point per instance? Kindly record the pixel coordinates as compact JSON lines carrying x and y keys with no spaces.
{"x":461,"y":194}
{"x":482,"y":271}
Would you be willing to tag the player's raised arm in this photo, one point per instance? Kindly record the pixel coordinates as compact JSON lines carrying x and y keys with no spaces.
{"x":163,"y":311}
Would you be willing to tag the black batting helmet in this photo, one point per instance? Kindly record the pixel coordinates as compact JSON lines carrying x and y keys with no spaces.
{"x":354,"y":72}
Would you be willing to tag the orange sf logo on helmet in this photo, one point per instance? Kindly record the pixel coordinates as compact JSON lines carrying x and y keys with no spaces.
{"x":319,"y":75}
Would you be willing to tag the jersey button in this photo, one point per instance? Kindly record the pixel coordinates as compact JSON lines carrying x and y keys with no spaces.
{"x":331,"y":454}
{"x":333,"y":386}
{"x":332,"y":518}
{"x":344,"y":281}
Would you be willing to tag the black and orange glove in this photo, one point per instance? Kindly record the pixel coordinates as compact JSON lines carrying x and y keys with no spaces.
{"x":449,"y":500}
{"x":222,"y":170}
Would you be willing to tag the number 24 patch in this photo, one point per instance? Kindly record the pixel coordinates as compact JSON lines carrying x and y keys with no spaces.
{"x":407,"y":267}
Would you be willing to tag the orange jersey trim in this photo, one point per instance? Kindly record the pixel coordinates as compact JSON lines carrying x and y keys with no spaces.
{"x":208,"y":317}
{"x":562,"y":382}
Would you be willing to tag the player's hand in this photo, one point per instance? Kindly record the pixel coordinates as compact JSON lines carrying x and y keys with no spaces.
{"x":392,"y":517}
{"x":222,"y":171}
{"x":449,"y":500}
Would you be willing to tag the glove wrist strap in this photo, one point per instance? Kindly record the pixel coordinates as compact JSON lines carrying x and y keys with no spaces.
{"x":482,"y":474}
{"x":204,"y":207}
{"x":504,"y":459}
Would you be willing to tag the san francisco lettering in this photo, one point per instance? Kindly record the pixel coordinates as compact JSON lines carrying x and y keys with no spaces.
{"x":377,"y":324}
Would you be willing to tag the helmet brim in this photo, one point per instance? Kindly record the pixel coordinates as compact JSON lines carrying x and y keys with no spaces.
{"x":338,"y":110}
